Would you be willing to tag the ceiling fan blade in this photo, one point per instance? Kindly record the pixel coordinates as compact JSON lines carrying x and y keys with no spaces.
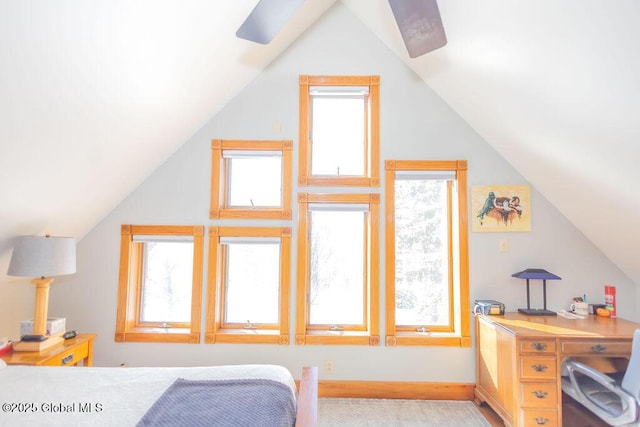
{"x":420,"y":25}
{"x":266,"y":19}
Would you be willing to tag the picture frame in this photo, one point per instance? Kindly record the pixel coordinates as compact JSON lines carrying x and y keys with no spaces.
{"x":500,"y":208}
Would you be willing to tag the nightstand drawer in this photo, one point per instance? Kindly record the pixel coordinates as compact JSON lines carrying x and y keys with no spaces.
{"x":69,"y":357}
{"x":539,"y":417}
{"x":537,"y":346}
{"x":537,"y":367}
{"x":539,"y":395}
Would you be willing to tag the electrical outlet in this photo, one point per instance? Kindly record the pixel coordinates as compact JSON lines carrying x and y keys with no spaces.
{"x":328,"y":366}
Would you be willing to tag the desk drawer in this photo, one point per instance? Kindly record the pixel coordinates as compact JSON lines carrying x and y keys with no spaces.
{"x":539,"y":417}
{"x":596,"y":347}
{"x":537,"y":346}
{"x":539,"y":395}
{"x":538,"y":367}
{"x":69,"y":357}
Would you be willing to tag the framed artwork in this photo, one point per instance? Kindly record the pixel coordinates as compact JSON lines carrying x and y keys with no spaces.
{"x":500,"y":208}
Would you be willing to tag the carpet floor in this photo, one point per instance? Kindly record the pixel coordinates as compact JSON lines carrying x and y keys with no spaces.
{"x":398,"y":412}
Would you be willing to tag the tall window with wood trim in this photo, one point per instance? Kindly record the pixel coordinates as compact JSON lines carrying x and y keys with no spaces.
{"x":160,"y":285}
{"x":248,"y":285}
{"x":339,"y":131}
{"x":426,"y":259}
{"x":338,"y":249}
{"x":250,"y":179}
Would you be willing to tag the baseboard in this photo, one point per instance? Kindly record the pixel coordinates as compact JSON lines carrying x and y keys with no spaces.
{"x":396,"y":390}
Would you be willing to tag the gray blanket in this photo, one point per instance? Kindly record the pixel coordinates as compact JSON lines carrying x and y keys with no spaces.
{"x":248,"y":402}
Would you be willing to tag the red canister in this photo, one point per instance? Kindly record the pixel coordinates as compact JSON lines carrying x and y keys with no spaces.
{"x":610,"y":299}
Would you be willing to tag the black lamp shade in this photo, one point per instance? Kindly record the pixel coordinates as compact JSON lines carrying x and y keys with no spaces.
{"x":536,"y":274}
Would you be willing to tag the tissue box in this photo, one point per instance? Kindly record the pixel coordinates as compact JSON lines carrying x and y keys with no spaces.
{"x":55,"y":326}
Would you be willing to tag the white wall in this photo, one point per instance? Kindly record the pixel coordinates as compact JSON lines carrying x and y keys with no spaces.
{"x":415,"y":124}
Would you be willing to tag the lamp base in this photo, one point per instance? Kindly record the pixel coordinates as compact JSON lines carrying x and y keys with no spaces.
{"x":536,"y":312}
{"x":37,"y":345}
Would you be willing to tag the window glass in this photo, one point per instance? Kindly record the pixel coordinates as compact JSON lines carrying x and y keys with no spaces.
{"x":422,"y":252}
{"x":337,"y":268}
{"x":338,"y":135}
{"x":252,"y":283}
{"x":247,"y":191}
{"x":166,"y":282}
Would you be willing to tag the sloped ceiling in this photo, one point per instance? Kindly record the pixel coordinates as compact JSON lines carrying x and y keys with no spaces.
{"x":95,"y":95}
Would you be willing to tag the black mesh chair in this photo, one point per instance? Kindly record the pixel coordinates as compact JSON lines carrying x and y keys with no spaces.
{"x":615,"y":398}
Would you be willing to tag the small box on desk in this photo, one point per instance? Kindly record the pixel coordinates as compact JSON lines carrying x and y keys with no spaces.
{"x":488,"y":306}
{"x":56,"y":326}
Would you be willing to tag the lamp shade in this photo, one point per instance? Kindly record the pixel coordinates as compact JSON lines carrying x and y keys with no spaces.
{"x":535,"y":273}
{"x":40,"y":256}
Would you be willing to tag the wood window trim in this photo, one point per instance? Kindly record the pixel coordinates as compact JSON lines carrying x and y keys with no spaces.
{"x":372,"y":165}
{"x":306,"y":335}
{"x":219,"y":179}
{"x":128,"y":328}
{"x":397,"y":336}
{"x":215,"y":332}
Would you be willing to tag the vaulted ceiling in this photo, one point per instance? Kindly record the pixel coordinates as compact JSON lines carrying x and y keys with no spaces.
{"x":96,"y":94}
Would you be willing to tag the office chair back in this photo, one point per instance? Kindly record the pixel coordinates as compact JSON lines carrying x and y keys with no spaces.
{"x":614,"y":398}
{"x":631,"y":380}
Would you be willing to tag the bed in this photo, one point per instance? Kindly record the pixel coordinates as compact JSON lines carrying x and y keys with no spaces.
{"x":214,"y":395}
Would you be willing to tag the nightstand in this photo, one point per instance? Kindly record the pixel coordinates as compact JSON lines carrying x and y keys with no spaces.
{"x":70,"y":353}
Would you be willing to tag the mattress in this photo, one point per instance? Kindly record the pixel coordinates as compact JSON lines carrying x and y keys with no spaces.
{"x":88,"y":396}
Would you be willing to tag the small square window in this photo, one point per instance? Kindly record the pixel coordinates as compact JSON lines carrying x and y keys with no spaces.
{"x":339,"y":131}
{"x":160,"y":286}
{"x":248,"y":285}
{"x":250,"y":179}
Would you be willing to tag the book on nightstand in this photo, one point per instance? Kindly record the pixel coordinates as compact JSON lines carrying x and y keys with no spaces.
{"x":38,"y":345}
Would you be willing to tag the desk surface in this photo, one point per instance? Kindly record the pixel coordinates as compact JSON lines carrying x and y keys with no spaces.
{"x":560,"y":327}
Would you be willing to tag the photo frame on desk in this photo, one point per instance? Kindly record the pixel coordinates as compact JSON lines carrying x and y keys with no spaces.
{"x":500,"y":208}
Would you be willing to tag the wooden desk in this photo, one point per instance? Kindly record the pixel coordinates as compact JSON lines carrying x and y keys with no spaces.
{"x":518,"y":360}
{"x":69,"y":353}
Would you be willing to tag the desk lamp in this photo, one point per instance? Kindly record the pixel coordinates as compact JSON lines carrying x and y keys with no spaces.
{"x":538,"y":274}
{"x":42,"y":257}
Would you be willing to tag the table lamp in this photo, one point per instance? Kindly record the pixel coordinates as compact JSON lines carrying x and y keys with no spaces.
{"x":538,"y":274}
{"x":42,"y":257}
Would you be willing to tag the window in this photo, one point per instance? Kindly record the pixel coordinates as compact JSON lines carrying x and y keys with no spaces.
{"x":248,"y":285}
{"x":338,"y":269}
{"x":250,"y":179}
{"x":339,"y":131}
{"x":159,"y":293}
{"x":426,"y":262}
